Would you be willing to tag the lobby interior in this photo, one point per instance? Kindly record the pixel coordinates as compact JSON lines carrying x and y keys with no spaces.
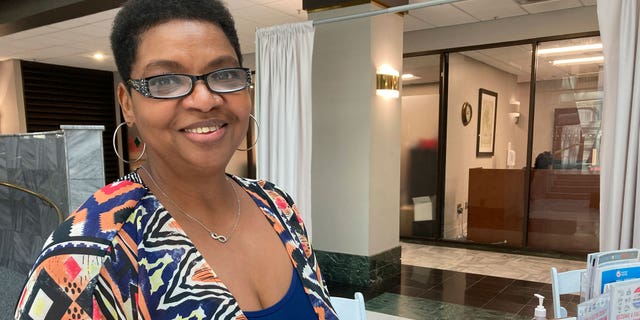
{"x":445,"y":266}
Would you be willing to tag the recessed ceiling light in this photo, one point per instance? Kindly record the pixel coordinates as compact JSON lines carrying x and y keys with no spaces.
{"x":596,"y":59}
{"x":584,"y":47}
{"x":98,"y":56}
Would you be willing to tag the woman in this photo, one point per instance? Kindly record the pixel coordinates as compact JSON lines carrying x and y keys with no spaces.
{"x":178,"y":238}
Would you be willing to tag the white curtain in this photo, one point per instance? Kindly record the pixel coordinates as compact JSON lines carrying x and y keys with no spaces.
{"x":283,"y":104}
{"x":619,"y":188}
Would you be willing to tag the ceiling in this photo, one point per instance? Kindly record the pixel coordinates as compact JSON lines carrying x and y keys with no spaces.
{"x":516,"y":60}
{"x":74,"y":42}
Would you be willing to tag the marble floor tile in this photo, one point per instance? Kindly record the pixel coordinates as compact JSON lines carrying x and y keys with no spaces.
{"x":507,"y":265}
{"x":381,"y":316}
{"x":456,"y":283}
{"x":419,"y":308}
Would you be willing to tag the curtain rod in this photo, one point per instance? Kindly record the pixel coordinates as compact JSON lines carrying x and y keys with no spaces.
{"x":405,"y":7}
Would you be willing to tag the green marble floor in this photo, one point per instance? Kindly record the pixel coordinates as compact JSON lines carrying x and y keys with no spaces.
{"x":419,"y":308}
{"x":426,"y":293}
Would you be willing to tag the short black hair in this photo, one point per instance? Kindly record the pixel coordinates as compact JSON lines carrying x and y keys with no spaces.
{"x":544,"y":160}
{"x":137,"y":16}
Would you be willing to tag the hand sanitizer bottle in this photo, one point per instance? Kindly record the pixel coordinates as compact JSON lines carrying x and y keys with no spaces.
{"x":540,"y":313}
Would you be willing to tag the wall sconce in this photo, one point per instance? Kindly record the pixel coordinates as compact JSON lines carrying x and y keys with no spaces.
{"x":515,"y":116}
{"x":387,"y":82}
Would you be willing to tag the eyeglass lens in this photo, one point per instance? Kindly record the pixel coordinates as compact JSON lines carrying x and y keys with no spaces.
{"x":175,"y":85}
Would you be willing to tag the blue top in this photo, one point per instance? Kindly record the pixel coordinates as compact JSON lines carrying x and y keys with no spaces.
{"x":294,"y":305}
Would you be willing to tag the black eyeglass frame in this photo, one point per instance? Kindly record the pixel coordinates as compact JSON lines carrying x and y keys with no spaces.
{"x":142,"y":85}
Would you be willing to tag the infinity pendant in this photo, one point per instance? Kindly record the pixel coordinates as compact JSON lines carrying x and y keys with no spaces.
{"x":220,"y":238}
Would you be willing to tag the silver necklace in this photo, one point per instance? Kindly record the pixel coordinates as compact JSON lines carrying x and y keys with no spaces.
{"x":215,"y":236}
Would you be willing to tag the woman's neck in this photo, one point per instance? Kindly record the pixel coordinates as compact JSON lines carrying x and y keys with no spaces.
{"x":195,"y":187}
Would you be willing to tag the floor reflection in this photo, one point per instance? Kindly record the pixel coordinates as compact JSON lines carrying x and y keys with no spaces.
{"x":435,"y":293}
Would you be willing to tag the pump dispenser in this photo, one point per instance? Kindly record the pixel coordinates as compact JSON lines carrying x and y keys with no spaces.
{"x":540,"y":312}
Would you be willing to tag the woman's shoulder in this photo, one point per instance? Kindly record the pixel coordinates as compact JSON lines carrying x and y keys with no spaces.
{"x":261,"y":184}
{"x":267,"y":191}
{"x":76,"y":252}
{"x":102,"y":214}
{"x":93,"y":225}
{"x":124,"y":193}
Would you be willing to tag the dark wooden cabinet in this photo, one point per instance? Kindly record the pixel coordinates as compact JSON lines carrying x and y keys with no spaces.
{"x":563,"y":208}
{"x":496,"y":206}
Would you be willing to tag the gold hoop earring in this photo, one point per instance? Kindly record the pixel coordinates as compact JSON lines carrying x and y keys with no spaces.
{"x":257,"y":134}
{"x":115,"y":134}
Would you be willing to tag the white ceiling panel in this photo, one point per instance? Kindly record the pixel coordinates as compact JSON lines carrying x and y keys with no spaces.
{"x":92,"y":46}
{"x":552,"y":5}
{"x":490,"y":9}
{"x":82,"y":61}
{"x":51,"y":52}
{"x":443,"y":15}
{"x":266,"y":16}
{"x":97,"y":30}
{"x":104,"y":24}
{"x":8,"y":49}
{"x":290,"y":7}
{"x":35,"y":43}
{"x":238,"y":4}
{"x":86,"y":35}
{"x":68,"y":24}
{"x":588,"y":2}
{"x":268,"y":2}
{"x":412,"y":23}
{"x":70,"y":36}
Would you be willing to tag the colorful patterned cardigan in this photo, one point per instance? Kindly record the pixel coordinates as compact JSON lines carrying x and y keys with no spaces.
{"x":122,"y":256}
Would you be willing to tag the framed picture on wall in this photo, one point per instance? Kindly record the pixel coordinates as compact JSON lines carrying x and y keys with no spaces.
{"x":487,"y":109}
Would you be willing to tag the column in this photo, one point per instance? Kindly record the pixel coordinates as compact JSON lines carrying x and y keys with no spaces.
{"x":356,"y":148}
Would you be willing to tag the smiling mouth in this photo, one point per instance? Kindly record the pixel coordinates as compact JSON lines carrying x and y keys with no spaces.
{"x":203,"y":130}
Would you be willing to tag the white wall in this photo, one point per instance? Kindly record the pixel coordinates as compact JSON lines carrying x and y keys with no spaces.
{"x":466,"y":77}
{"x":12,"y":117}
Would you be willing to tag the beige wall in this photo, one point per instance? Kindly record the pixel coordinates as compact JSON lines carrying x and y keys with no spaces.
{"x":12,"y":117}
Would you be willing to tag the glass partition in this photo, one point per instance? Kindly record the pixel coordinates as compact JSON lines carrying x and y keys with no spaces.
{"x":490,"y":196}
{"x":487,"y":125}
{"x":419,"y":152}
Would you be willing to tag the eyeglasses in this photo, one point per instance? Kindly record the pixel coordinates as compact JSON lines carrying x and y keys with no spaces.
{"x":171,"y":86}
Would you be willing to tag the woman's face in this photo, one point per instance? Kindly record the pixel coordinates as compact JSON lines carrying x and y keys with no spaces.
{"x":202,"y":129}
